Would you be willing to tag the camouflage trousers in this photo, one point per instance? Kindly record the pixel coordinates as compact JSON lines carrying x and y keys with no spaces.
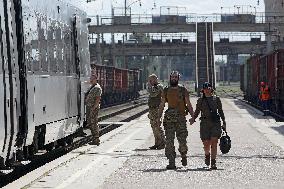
{"x":178,"y":129}
{"x":156,"y":126}
{"x":92,"y":121}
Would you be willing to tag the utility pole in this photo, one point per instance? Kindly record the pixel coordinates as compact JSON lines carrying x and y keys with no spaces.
{"x":125,"y":7}
{"x":125,"y":4}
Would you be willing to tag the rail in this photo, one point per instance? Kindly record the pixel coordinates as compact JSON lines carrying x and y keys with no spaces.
{"x":41,"y":159}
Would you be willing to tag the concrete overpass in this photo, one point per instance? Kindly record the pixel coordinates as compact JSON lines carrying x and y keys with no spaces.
{"x":183,"y":49}
{"x":177,"y":28}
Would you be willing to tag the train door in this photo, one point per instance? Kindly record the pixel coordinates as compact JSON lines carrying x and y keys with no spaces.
{"x":3,"y":114}
{"x":8,"y":96}
{"x":76,"y":35}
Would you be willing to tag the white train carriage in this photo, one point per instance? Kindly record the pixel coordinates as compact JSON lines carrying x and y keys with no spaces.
{"x":44,"y":71}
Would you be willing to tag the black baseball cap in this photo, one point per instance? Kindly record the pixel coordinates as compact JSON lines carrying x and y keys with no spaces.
{"x":206,"y":85}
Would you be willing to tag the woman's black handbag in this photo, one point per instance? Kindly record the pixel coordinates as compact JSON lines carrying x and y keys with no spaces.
{"x":225,"y":142}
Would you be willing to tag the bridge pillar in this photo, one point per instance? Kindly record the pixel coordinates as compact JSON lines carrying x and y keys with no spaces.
{"x":98,"y":50}
{"x":232,"y":73}
{"x":205,"y":66}
{"x":113,"y":60}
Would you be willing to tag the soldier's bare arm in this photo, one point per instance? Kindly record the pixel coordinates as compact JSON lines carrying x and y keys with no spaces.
{"x":196,"y":112}
{"x":189,"y":105}
{"x":221,"y":113}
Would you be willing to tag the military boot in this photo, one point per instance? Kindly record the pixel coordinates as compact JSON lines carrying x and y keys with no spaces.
{"x":184,"y":160}
{"x":172,"y":164}
{"x":207,"y":159}
{"x":153,"y":147}
{"x":213,"y":164}
{"x":161,"y":146}
{"x":96,"y":141}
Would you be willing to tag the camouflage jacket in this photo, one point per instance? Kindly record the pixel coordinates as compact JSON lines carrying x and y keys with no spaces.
{"x":91,"y":94}
{"x":155,"y":94}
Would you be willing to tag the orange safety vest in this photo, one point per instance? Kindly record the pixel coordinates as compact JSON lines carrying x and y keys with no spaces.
{"x":264,"y":93}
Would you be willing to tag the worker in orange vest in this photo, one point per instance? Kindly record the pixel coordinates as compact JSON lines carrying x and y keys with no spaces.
{"x":264,"y":96}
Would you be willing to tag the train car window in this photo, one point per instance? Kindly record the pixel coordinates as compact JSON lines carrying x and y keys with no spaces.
{"x":60,"y":52}
{"x":52,"y":46}
{"x":43,"y":43}
{"x":28,"y":56}
{"x":84,"y":53}
{"x":67,"y":49}
{"x":72,"y":49}
{"x":35,"y":42}
{"x":27,"y":40}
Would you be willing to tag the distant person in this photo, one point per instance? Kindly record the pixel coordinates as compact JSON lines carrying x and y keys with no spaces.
{"x":174,"y":121}
{"x":93,"y":97}
{"x":211,"y":110}
{"x":264,"y":96}
{"x":155,"y":90}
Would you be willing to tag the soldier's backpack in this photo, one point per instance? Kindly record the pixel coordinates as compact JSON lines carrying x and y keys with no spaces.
{"x":173,"y":114}
{"x":181,"y":93}
{"x":154,"y":102}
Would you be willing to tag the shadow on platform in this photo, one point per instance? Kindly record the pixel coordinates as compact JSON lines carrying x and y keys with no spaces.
{"x":251,"y":110}
{"x":181,"y":170}
{"x":279,"y":129}
{"x":255,"y":156}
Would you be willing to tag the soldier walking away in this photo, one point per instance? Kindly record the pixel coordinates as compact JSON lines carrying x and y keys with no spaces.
{"x":174,"y":121}
{"x":211,"y":110}
{"x":93,"y":97}
{"x":264,"y":96}
{"x":155,"y":90}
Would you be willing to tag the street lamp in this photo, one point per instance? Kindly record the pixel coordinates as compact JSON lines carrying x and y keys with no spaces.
{"x":125,"y":8}
{"x":125,"y":5}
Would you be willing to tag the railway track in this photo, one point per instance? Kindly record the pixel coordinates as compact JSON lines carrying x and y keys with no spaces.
{"x":110,"y":119}
{"x":239,"y":97}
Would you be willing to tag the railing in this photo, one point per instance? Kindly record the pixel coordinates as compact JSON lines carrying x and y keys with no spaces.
{"x":191,"y":18}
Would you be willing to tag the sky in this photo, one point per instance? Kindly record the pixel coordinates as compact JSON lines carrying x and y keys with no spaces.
{"x":103,"y":7}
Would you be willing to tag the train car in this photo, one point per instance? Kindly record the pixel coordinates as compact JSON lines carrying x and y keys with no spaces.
{"x":275,"y":67}
{"x":252,"y":74}
{"x":268,"y":69}
{"x":118,"y":85}
{"x":242,"y":82}
{"x":44,"y":69}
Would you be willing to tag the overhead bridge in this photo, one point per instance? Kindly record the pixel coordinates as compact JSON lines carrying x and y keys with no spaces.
{"x":176,"y":28}
{"x":182,"y":49}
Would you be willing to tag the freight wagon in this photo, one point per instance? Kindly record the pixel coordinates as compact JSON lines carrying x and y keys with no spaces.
{"x":118,"y":85}
{"x":269,"y":69}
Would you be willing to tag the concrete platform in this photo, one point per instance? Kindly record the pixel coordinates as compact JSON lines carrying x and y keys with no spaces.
{"x":123,"y":160}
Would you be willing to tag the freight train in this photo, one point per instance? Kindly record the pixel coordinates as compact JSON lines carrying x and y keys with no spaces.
{"x":119,"y":85}
{"x":269,"y":69}
{"x":45,"y":69}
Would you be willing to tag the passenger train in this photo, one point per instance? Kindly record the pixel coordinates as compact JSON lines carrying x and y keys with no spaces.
{"x":45,"y":70}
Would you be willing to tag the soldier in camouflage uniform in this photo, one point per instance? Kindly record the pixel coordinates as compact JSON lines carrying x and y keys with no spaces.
{"x":174,"y":121}
{"x":93,"y":97}
{"x":155,"y":90}
{"x":211,"y":110}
